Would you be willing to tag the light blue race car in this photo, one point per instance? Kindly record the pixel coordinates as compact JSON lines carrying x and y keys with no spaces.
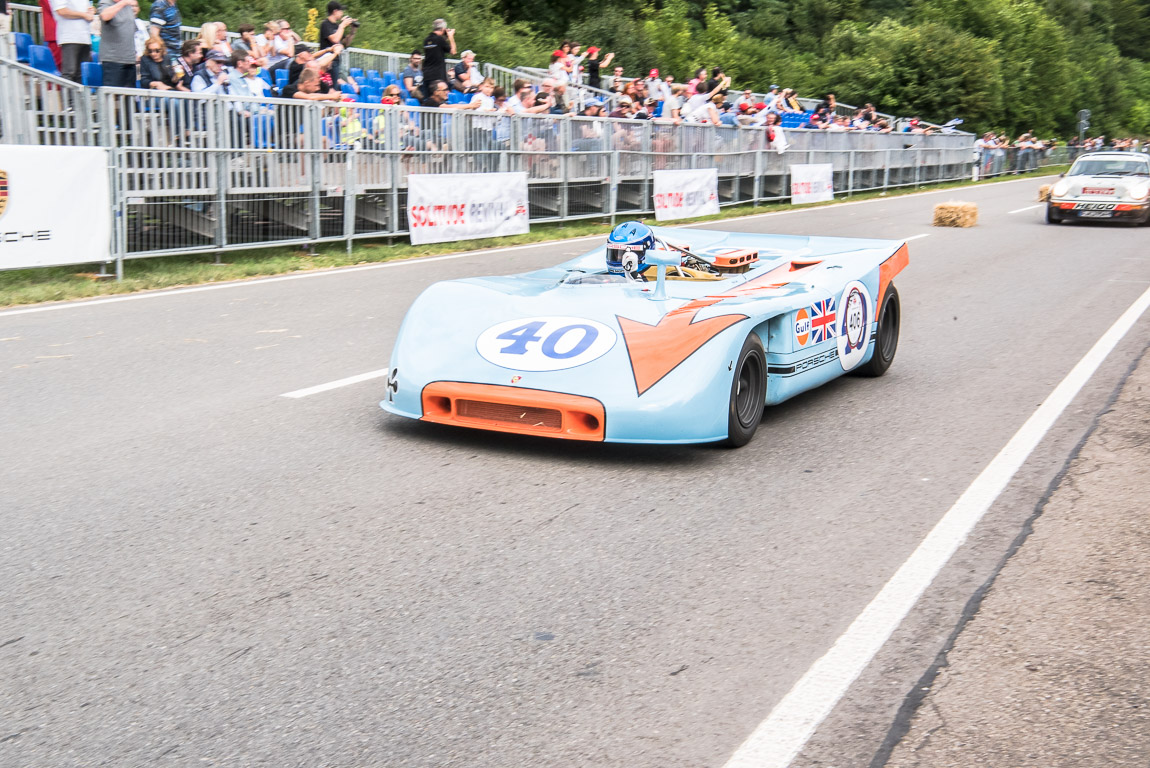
{"x":659,"y":336}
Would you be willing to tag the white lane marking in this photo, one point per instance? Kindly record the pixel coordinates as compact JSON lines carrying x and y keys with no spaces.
{"x":336,"y":384}
{"x":916,"y":237}
{"x":1027,"y":208}
{"x":780,"y":738}
{"x":428,"y":259}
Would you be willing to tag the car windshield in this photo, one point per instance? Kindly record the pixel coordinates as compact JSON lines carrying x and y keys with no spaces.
{"x":1110,"y":166}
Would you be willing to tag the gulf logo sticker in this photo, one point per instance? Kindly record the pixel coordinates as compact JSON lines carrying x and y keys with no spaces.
{"x":545,"y":343}
{"x":802,"y":327}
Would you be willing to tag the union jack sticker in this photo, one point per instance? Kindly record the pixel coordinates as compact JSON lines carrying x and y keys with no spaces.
{"x":823,"y":320}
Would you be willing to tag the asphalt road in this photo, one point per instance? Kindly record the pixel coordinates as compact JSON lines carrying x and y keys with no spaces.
{"x":196,"y":570}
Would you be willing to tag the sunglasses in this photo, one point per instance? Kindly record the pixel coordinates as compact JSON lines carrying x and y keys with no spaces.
{"x":155,"y":50}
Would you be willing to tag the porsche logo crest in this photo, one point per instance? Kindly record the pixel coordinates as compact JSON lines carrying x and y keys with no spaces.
{"x":3,"y":192}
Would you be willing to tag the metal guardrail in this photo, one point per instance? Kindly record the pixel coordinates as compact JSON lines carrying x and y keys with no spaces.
{"x":215,"y":173}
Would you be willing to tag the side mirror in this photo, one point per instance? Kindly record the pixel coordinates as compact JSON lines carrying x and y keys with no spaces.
{"x":662,"y":258}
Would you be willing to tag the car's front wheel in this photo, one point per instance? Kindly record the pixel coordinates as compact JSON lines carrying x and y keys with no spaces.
{"x":886,"y":338}
{"x":1051,"y":216}
{"x":748,"y":393}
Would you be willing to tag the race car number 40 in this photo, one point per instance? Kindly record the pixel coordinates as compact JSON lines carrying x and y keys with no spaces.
{"x":545,"y":343}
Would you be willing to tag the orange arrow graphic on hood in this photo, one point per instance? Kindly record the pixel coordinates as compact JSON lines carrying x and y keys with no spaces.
{"x":656,"y":350}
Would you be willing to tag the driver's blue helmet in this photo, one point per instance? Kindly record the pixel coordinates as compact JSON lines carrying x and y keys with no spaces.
{"x":627,"y":247}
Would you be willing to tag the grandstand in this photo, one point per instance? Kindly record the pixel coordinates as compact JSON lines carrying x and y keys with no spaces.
{"x":199,"y":172}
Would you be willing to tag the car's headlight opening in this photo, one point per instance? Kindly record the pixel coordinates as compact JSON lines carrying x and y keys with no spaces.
{"x":1060,"y":188}
{"x":1140,"y":191}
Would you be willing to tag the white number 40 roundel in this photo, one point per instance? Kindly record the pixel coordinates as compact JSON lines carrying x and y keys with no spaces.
{"x":545,"y":343}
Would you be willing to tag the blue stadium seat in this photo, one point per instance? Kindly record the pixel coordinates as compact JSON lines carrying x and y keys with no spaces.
{"x":91,"y":74}
{"x":658,"y":110}
{"x":389,"y":78}
{"x":455,"y":97}
{"x":375,"y":82}
{"x":355,"y":72}
{"x":372,"y":74}
{"x":282,"y":76}
{"x":23,"y":43}
{"x":347,"y":90}
{"x":263,"y":131}
{"x":40,"y":57}
{"x":412,"y":102}
{"x":266,"y":76}
{"x":95,"y":52}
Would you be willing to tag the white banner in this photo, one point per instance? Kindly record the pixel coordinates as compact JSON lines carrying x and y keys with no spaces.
{"x":812,"y":183}
{"x":54,"y":206}
{"x":464,"y":206}
{"x":685,"y":194}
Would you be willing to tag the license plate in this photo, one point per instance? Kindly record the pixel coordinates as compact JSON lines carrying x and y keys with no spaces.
{"x":1096,"y":214}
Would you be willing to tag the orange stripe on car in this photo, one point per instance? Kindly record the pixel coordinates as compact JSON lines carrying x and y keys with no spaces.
{"x":886,"y":272}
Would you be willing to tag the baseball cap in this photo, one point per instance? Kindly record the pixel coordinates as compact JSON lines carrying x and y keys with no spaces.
{"x":594,"y":102}
{"x":761,"y":105}
{"x":625,"y":100}
{"x":300,"y":48}
{"x":744,"y":107}
{"x":774,"y":87}
{"x":557,"y":52}
{"x":653,"y":73}
{"x":592,"y":50}
{"x":215,"y":56}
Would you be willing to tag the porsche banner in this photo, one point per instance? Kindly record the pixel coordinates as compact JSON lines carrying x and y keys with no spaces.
{"x":812,"y":183}
{"x":464,"y":206}
{"x":54,"y":206}
{"x":686,"y":194}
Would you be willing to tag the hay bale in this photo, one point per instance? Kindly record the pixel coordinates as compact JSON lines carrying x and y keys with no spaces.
{"x":955,"y":214}
{"x":1044,"y":193}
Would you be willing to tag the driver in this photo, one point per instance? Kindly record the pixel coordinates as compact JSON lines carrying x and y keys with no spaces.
{"x":627,"y":247}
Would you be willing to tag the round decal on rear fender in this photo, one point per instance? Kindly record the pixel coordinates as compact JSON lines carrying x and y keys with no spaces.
{"x":853,"y":324}
{"x":545,"y":343}
{"x":802,"y":327}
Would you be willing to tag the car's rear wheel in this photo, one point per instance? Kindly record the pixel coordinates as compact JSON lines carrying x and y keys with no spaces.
{"x":748,"y":393}
{"x":886,"y":339}
{"x":1051,"y":216}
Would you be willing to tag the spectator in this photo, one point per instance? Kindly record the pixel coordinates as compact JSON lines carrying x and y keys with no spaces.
{"x":654,"y":85}
{"x":623,"y":110}
{"x":118,"y":42}
{"x":304,"y":56}
{"x":593,"y":65}
{"x":209,"y":34}
{"x":156,"y":71}
{"x":701,"y":102}
{"x":523,"y":100}
{"x":48,"y":30}
{"x":673,"y":105}
{"x":244,"y":80}
{"x":788,"y":102}
{"x":717,"y":80}
{"x":438,"y":91}
{"x":213,"y":76}
{"x":559,"y":95}
{"x":334,"y":31}
{"x":186,"y":64}
{"x":593,"y":108}
{"x":559,"y":69}
{"x":165,"y":18}
{"x":440,"y":43}
{"x":829,"y":104}
{"x":309,"y":88}
{"x":465,"y":76}
{"x":747,"y":98}
{"x":708,"y":112}
{"x":73,"y":33}
{"x":615,"y":82}
{"x":813,"y":122}
{"x":265,"y":45}
{"x":696,"y":82}
{"x":248,"y":43}
{"x":223,"y":44}
{"x":728,"y":115}
{"x":412,"y":76}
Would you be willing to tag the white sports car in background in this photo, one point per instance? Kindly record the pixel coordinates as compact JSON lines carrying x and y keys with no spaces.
{"x":1103,"y":185}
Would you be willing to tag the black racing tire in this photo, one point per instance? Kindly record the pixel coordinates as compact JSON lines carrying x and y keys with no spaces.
{"x":1051,"y":216}
{"x":886,"y":337}
{"x":748,"y":393}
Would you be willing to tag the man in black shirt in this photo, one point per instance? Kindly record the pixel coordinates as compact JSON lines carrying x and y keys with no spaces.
{"x":436,"y":48}
{"x":334,"y":31}
{"x":593,"y":64}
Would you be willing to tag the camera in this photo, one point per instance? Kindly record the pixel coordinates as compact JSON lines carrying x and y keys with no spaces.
{"x":355,"y":23}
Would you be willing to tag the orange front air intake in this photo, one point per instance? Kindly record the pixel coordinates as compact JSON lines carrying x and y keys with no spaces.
{"x":514,"y":409}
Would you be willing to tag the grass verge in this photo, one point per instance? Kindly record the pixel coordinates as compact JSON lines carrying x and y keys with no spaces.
{"x":32,"y":286}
